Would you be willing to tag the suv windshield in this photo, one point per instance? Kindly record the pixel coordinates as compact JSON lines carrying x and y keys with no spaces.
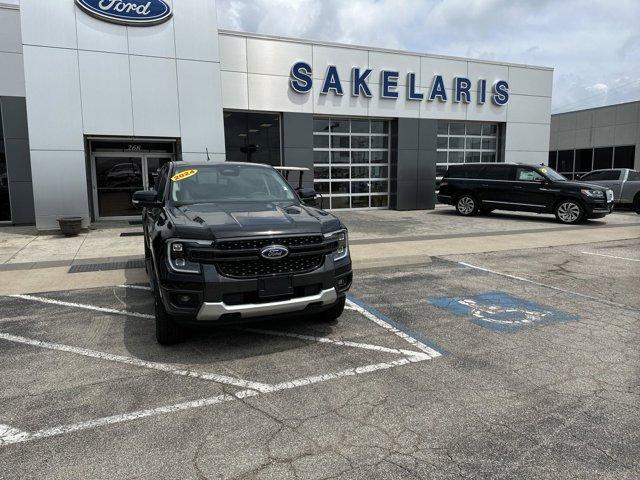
{"x":228,"y":183}
{"x":551,"y":174}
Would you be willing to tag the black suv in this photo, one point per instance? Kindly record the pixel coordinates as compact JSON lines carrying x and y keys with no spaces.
{"x":483,"y":187}
{"x":228,"y":241}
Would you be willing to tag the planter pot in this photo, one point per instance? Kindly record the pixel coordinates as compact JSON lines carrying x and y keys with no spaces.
{"x":70,"y":226}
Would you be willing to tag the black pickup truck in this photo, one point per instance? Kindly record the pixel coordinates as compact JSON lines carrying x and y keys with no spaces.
{"x":226,"y":242}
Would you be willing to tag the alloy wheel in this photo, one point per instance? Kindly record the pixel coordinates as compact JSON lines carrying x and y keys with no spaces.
{"x":466,"y":205}
{"x":568,"y":212}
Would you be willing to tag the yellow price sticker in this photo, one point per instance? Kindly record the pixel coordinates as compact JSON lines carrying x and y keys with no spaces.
{"x":183,"y":174}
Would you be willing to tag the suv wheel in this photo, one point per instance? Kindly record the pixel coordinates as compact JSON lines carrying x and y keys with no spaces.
{"x":334,"y":312}
{"x":467,"y":205}
{"x":636,"y":204}
{"x":569,"y":211}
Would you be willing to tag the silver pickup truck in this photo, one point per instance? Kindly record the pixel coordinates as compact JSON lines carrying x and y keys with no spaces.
{"x":624,"y":182}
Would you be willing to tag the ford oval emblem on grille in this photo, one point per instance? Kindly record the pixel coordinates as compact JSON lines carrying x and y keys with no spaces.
{"x":274,"y":252}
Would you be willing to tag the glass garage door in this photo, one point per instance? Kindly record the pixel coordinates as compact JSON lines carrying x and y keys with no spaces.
{"x":460,"y":142}
{"x":351,"y":162}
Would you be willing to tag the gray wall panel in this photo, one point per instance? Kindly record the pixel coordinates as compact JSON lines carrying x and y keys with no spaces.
{"x":300,"y":157}
{"x":415,"y":164}
{"x":16,"y":134}
{"x":406,"y":196}
{"x":22,"y":210}
{"x":17,"y":152}
{"x":426,"y":195}
{"x":297,"y":130}
{"x":14,"y":113}
{"x":408,"y":133}
{"x":297,"y":143}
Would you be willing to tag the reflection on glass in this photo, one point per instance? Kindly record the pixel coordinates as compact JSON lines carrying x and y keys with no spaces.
{"x":339,"y":157}
{"x":321,"y":187}
{"x":252,"y":137}
{"x":339,"y":172}
{"x":360,"y":202}
{"x":117,"y":178}
{"x":340,"y":202}
{"x":339,"y":187}
{"x":359,"y":187}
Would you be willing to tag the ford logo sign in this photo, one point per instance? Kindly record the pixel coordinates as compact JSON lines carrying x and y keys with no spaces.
{"x":126,"y":12}
{"x":274,"y":252}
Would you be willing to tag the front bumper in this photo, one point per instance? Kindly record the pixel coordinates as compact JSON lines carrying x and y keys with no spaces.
{"x":218,"y":299}
{"x":599,"y":209}
{"x":216,"y":310}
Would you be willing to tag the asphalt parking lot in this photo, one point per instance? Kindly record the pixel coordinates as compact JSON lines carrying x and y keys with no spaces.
{"x":512,"y":364}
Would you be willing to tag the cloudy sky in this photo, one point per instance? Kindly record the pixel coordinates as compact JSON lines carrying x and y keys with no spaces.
{"x":594,"y":46}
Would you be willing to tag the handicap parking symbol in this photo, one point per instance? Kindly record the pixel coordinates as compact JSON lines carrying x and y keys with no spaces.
{"x":500,"y":311}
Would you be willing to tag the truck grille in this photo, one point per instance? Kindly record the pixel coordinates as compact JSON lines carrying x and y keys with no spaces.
{"x":240,"y":258}
{"x":258,"y":268}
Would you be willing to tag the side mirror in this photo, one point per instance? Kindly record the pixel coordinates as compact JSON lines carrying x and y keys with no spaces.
{"x":306,"y":193}
{"x":146,"y":198}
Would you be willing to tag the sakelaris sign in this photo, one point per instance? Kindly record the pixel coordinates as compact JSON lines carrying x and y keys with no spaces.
{"x":301,"y":81}
{"x":140,"y":13}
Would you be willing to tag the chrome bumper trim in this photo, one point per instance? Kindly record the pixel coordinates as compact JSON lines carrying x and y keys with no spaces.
{"x":213,"y":311}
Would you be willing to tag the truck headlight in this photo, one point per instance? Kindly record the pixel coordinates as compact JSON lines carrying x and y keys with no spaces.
{"x":177,"y":256}
{"x":342,"y":238}
{"x":592,"y":193}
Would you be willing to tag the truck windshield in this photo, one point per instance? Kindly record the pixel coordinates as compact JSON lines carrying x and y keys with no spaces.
{"x":551,"y":174}
{"x":229,"y":183}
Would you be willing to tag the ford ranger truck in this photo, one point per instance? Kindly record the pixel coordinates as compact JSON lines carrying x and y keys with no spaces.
{"x":229,"y":242}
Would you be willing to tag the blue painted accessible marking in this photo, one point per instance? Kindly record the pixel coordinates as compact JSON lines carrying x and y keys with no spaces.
{"x":400,"y":326}
{"x":500,"y":311}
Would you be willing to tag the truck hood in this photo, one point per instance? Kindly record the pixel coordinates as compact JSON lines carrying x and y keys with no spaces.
{"x":225,"y":220}
{"x":576,"y":184}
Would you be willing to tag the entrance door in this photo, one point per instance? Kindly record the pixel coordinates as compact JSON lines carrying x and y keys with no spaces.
{"x":117,"y":176}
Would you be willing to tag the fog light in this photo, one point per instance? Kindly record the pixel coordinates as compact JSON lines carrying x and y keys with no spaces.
{"x":184,"y":298}
{"x":180,"y":262}
{"x":342,"y":282}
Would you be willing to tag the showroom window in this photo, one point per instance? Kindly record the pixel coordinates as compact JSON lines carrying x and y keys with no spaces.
{"x":573,"y":164}
{"x":460,"y":142}
{"x":351,"y":162}
{"x":5,"y":206}
{"x":252,"y":137}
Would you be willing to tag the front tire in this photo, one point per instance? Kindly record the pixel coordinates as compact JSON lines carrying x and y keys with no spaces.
{"x":334,"y":312}
{"x":569,"y":212}
{"x":467,"y":205}
{"x":636,"y":204}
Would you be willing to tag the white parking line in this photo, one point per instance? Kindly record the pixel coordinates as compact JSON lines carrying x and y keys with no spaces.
{"x":558,"y":289}
{"x":163,"y":367}
{"x":301,"y":382}
{"x":407,"y":338}
{"x":11,"y":435}
{"x":51,"y":301}
{"x":612,"y":256}
{"x":135,"y":287}
{"x":342,"y":343}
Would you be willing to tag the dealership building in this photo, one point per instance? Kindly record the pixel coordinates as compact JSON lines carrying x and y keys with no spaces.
{"x":95,"y":95}
{"x":595,"y":139}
